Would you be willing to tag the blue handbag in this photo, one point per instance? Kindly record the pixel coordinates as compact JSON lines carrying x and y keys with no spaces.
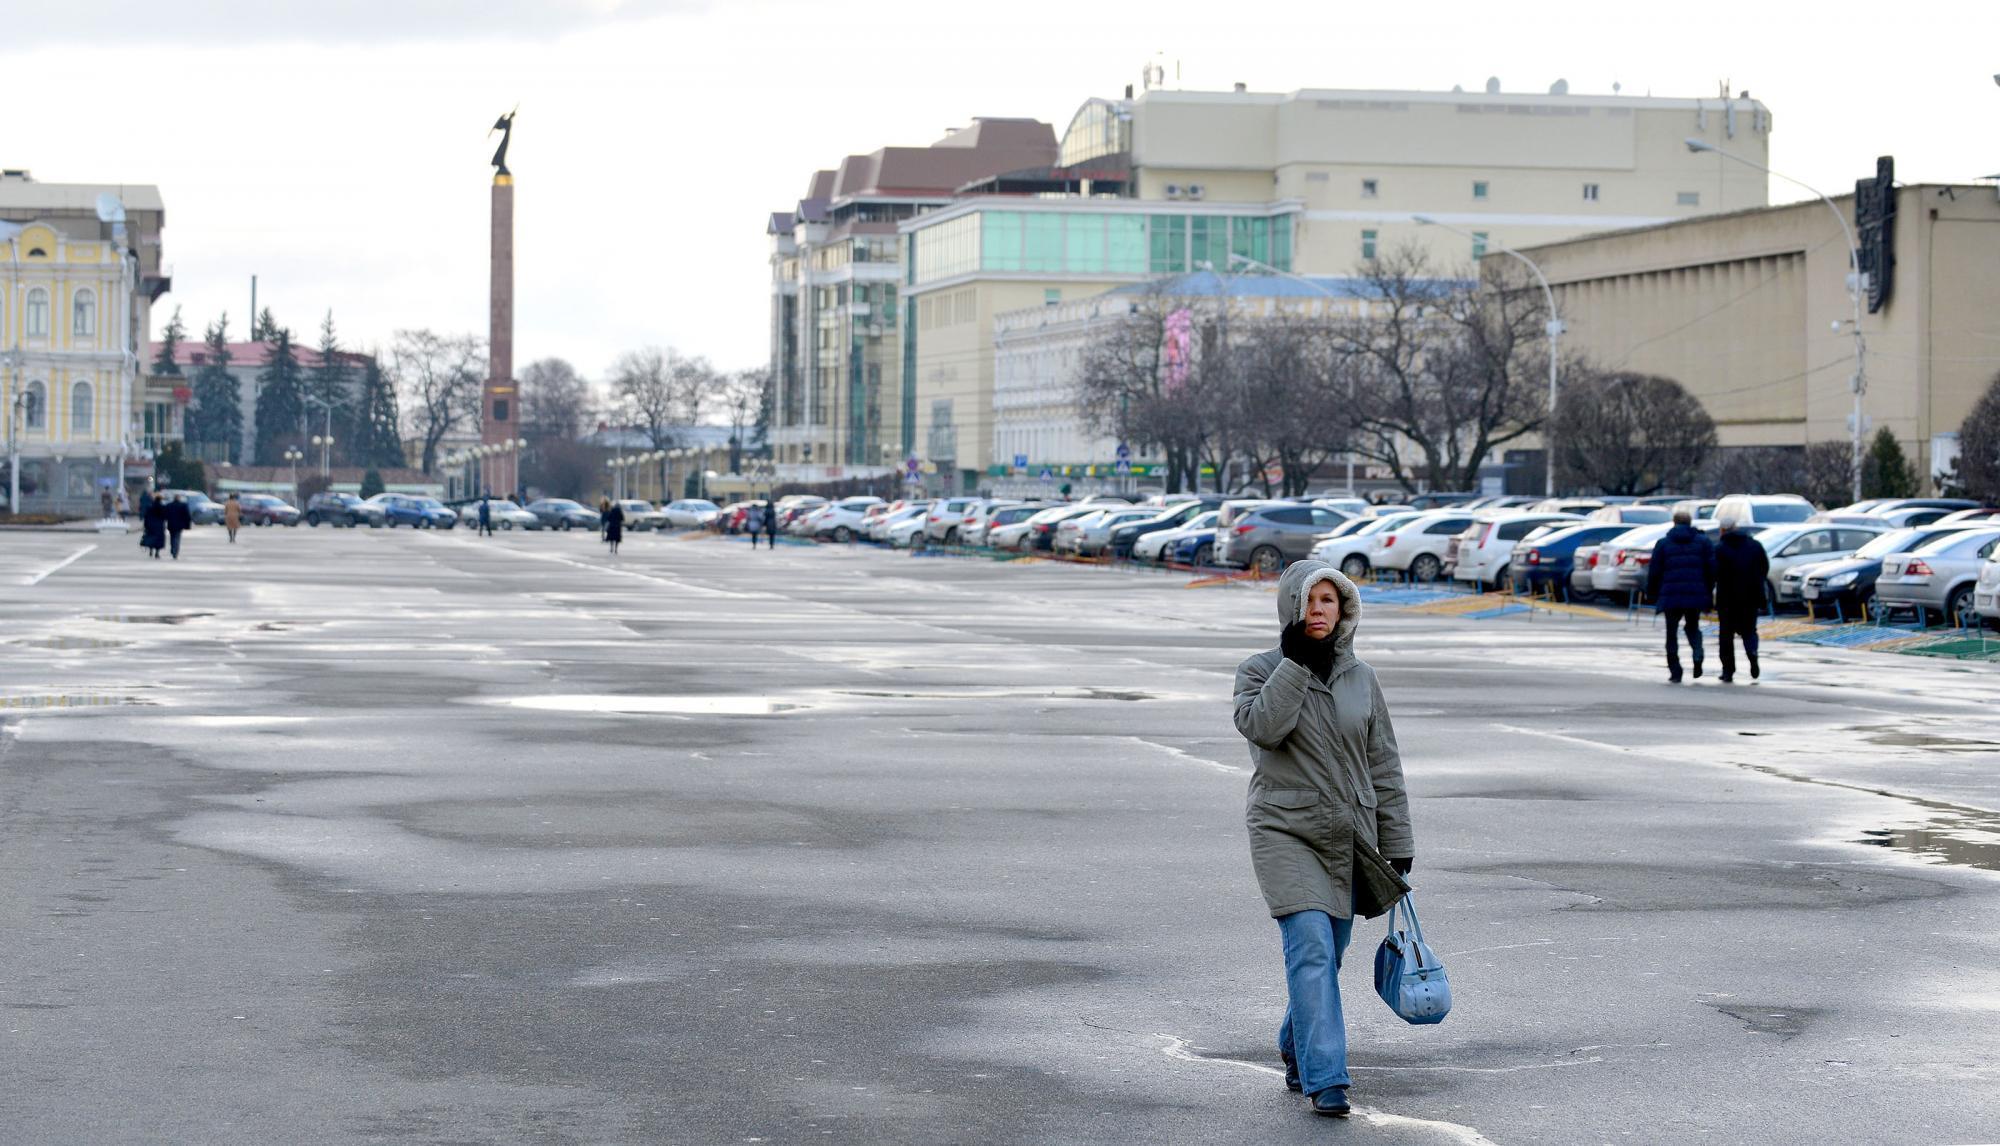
{"x":1408,"y":975}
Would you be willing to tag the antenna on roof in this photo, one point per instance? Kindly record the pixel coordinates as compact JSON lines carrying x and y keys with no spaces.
{"x":111,"y":209}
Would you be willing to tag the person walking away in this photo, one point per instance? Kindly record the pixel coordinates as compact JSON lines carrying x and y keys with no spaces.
{"x":1680,"y":580}
{"x":614,"y":526}
{"x":1326,"y":773}
{"x":771,"y":526}
{"x":179,"y":518}
{"x":104,"y":502}
{"x":124,"y":503}
{"x":753,"y":521}
{"x":152,"y":524}
{"x":1741,"y":572}
{"x":232,"y":516}
{"x":486,"y":515}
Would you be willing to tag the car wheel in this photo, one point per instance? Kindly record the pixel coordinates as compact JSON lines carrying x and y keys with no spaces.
{"x":1203,"y":554}
{"x":1426,"y":568}
{"x":951,"y":536}
{"x":312,"y":519}
{"x":566,"y":525}
{"x":1506,"y":582}
{"x":392,"y":523}
{"x":1355,"y":566}
{"x":1266,"y":560}
{"x":1958,"y":608}
{"x":843,"y":534}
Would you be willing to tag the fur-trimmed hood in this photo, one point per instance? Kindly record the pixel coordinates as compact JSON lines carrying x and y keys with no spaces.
{"x":1296,"y":583}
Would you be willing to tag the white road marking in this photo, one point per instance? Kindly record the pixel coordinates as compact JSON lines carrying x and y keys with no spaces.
{"x":44,"y":575}
{"x":1568,"y":739}
{"x":1175,"y":1047}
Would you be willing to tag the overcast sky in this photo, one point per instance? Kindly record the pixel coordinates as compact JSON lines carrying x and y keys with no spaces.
{"x":339,"y":151}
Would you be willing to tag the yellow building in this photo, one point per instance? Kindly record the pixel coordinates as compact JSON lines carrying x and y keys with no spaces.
{"x":75,"y":313}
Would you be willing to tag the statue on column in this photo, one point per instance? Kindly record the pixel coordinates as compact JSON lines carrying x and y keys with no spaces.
{"x":505,"y":126}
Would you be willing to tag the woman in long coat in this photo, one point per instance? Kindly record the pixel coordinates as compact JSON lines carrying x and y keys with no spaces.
{"x":153,"y":525}
{"x":614,"y":525}
{"x":1327,"y":773}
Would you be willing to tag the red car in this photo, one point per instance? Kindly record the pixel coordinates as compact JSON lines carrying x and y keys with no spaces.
{"x":265,"y":509}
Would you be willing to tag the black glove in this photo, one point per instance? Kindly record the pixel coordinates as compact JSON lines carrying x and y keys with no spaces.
{"x":1296,"y":645}
{"x":1403,"y":865}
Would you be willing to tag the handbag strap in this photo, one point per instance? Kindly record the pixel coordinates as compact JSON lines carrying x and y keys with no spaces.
{"x":1416,"y":929}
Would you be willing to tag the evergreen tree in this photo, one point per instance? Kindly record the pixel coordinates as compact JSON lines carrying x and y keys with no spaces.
{"x":263,"y":328}
{"x":214,"y":425}
{"x":378,"y":439}
{"x":329,"y":382}
{"x":280,"y":400}
{"x":165,"y":363}
{"x":371,"y":482}
{"x":1885,"y":471}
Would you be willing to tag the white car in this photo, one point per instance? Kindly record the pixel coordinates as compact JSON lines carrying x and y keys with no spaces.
{"x":1001,"y":517}
{"x":691,"y":513}
{"x":1417,"y":547}
{"x":843,"y":519}
{"x":1484,"y":551}
{"x":1986,"y":593}
{"x":640,"y":516}
{"x":907,"y":533}
{"x":1353,"y":551}
{"x":1011,"y":534}
{"x":1764,"y":508}
{"x":1622,"y":553}
{"x":1156,"y":545}
{"x":942,"y":523}
{"x":877,"y":527}
{"x":502,"y":514}
{"x":972,"y":523}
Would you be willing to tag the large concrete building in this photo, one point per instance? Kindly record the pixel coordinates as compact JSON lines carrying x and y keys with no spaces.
{"x":835,"y":265}
{"x":1749,"y":311}
{"x":1314,"y":181}
{"x":83,"y":270}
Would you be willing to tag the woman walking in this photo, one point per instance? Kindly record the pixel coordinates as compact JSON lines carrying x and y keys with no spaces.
{"x":1327,"y":776}
{"x":232,"y":516}
{"x":153,"y":525}
{"x":614,"y":525}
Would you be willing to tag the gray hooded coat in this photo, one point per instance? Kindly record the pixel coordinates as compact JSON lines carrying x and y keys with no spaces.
{"x":1325,"y":759}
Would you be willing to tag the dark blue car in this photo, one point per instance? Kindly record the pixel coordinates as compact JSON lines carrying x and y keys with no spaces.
{"x":1195,"y":547}
{"x":1543,"y":565}
{"x":1843,"y":586}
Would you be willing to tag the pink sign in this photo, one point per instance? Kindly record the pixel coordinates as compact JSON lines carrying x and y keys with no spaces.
{"x":1179,"y":347}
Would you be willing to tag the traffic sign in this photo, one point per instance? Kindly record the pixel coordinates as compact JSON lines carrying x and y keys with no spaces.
{"x":1124,"y":468}
{"x":912,"y":466}
{"x":1124,"y":452}
{"x":1048,"y":475}
{"x":1020,"y":461}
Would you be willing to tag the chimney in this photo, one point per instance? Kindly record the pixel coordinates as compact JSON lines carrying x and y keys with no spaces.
{"x":1242,"y":87}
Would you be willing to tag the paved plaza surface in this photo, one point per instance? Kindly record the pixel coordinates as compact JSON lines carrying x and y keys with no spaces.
{"x":377,"y":836}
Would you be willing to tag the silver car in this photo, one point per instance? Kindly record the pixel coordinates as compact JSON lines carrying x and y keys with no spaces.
{"x":641,"y":515}
{"x":1268,"y":537}
{"x":1939,"y":578}
{"x":1093,"y":533}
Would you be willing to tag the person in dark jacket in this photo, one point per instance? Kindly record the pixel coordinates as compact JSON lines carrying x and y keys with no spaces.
{"x":179,"y":519}
{"x":486,"y":514}
{"x":771,"y":525}
{"x":152,"y":524}
{"x":1680,"y":580}
{"x":1742,"y":569}
{"x":753,"y":521}
{"x":614,"y":525}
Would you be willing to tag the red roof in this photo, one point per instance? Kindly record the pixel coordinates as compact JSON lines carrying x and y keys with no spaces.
{"x":192,"y":355}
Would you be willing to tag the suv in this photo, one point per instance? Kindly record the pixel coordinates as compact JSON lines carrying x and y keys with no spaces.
{"x":1485,"y":546}
{"x":338,"y":509}
{"x":202,"y":509}
{"x":1269,"y":537}
{"x":1419,"y":546}
{"x":1764,"y":509}
{"x":942,"y":522}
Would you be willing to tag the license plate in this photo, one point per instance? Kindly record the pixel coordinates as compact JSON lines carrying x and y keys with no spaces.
{"x":1811,"y":594}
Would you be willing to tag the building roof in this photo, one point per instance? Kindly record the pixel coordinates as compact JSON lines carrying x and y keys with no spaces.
{"x":986,"y":148}
{"x":1359,"y":97}
{"x":193,"y":353}
{"x":17,"y":194}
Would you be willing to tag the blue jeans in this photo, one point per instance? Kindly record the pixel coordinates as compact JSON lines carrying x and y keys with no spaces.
{"x":1314,"y":1034}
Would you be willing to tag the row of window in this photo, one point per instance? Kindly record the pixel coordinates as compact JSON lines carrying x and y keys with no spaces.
{"x":83,"y":313}
{"x":1481,"y":189}
{"x":1075,"y":242}
{"x":82,"y":408}
{"x":1370,"y":243}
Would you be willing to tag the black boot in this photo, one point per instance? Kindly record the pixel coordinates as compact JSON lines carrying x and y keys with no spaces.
{"x":1332,"y":1102}
{"x":1291,"y":1072}
{"x":1753,"y":666}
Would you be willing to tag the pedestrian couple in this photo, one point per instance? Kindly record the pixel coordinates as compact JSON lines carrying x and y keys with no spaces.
{"x":1327,"y":779}
{"x":161,"y":523}
{"x":762,"y":518}
{"x":1688,"y":573}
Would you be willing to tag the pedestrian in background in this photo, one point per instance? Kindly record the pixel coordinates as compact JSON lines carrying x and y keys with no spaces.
{"x":124,"y":503}
{"x":232,"y":516}
{"x":486,"y":514}
{"x":104,"y":501}
{"x":1741,"y":572}
{"x":152,"y":524}
{"x":614,"y":525}
{"x":1680,"y":581}
{"x":1327,"y":774}
{"x":771,"y":525}
{"x":753,"y":520}
{"x":179,"y":519}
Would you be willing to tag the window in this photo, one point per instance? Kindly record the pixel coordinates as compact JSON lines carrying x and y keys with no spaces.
{"x":499,"y":409}
{"x":1479,"y":189}
{"x":1478,"y":244}
{"x":1449,"y":526}
{"x":1367,"y":244}
{"x":1208,"y":241}
{"x":1299,"y":516}
{"x":38,"y":313}
{"x":80,"y":408}
{"x":83,"y":320}
{"x":1326,"y":518}
{"x":1590,"y":192}
{"x":1168,"y":237}
{"x":1369,"y":188}
{"x":36,"y":409}
{"x":1688,"y":198}
{"x":1051,"y":296}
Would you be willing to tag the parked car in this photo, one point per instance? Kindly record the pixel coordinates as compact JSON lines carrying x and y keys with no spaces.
{"x":1764,"y":508}
{"x":1624,"y":560}
{"x":842,"y":520}
{"x":1986,"y":593}
{"x":1940,"y":578}
{"x":1439,"y":500}
{"x":1269,"y":537}
{"x":691,"y":513}
{"x":1978,"y":516}
{"x":1547,"y":563}
{"x":1417,"y":547}
{"x":1094,"y":533}
{"x":877,"y":527}
{"x":1485,"y":546}
{"x":1351,"y":506}
{"x":1353,"y":553}
{"x":1699,"y":509}
{"x":1159,"y":545}
{"x":266,"y":509}
{"x":908,"y":532}
{"x":342,"y":509}
{"x":504,"y":514}
{"x":1846,"y":584}
{"x":1573,"y":505}
{"x":1634,"y":514}
{"x":1041,"y":531}
{"x":997,"y":514}
{"x":972,"y":520}
{"x":640,"y":516}
{"x":1891,"y":504}
{"x":943,"y":520}
{"x":1235,"y":507}
{"x":414,"y":510}
{"x":562,"y":513}
{"x":1193,"y":546}
{"x":1125,"y":536}
{"x":1809,"y":544}
{"x":202,"y":509}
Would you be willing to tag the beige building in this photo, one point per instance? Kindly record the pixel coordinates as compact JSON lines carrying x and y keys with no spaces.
{"x":1749,"y":310}
{"x":1312,"y":182}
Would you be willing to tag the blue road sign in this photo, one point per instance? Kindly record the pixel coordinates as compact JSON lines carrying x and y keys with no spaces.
{"x":1124,"y":452}
{"x":1020,"y":461}
{"x":1124,"y":468}
{"x":1048,"y":474}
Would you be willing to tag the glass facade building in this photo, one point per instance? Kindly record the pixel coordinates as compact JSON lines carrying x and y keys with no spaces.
{"x":1071,"y":242}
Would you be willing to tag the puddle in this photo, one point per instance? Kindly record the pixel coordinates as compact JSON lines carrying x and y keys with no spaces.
{"x":73,"y":643}
{"x":1900,"y":739}
{"x":149,"y":618}
{"x":1941,"y":833}
{"x":654,"y":705}
{"x":70,"y":700}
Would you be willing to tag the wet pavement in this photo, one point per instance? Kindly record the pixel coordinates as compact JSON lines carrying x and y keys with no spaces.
{"x":373,"y":836}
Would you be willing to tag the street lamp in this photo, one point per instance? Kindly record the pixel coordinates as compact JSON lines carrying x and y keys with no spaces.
{"x":294,"y":455}
{"x":1859,"y":382}
{"x":325,"y":445}
{"x":1554,"y":329}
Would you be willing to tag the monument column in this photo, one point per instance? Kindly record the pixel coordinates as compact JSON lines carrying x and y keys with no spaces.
{"x":499,"y":413}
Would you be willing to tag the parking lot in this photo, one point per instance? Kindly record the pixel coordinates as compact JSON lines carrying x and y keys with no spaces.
{"x":382,"y":835}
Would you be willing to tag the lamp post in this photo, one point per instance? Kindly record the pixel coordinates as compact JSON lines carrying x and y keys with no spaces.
{"x":294,"y":455}
{"x":1858,"y":383}
{"x":325,"y":444}
{"x":1269,"y":269}
{"x":1554,"y":329}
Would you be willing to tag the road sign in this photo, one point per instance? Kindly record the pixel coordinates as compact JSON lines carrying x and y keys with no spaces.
{"x":1124,"y":452}
{"x":1124,"y":468}
{"x":912,"y":466}
{"x":1048,"y":475}
{"x":1020,"y":461}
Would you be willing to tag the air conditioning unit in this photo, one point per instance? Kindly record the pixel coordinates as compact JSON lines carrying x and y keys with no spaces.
{"x":874,"y":330}
{"x":1194,"y":190}
{"x":1173,"y":190}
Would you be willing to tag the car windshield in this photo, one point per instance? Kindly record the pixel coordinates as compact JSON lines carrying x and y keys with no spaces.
{"x":428,"y":502}
{"x":1388,"y":524}
{"x":561,"y":503}
{"x":1782,"y":511}
{"x":1950,"y":540}
{"x":1894,"y":542}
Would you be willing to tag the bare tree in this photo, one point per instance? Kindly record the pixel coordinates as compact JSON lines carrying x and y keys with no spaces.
{"x":1630,"y":433}
{"x":556,"y":401}
{"x":741,"y":395}
{"x":641,"y":381}
{"x":1760,"y":469}
{"x":1139,"y":380}
{"x":441,"y":376}
{"x":693,"y":382}
{"x":1442,"y":369}
{"x":1293,"y":401}
{"x":1828,"y":477}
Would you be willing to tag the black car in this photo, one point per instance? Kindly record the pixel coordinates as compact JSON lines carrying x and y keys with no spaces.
{"x":341,"y":509}
{"x":1174,"y":516}
{"x":562,"y":513}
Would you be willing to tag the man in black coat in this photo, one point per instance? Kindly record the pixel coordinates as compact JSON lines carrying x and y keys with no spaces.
{"x":1680,"y":579}
{"x":179,"y":519}
{"x":1742,"y":569}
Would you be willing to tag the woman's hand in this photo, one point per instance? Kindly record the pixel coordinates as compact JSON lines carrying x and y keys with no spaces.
{"x":1296,"y":645}
{"x":1403,"y":865}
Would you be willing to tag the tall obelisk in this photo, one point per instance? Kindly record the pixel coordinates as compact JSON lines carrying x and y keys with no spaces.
{"x":499,"y":469}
